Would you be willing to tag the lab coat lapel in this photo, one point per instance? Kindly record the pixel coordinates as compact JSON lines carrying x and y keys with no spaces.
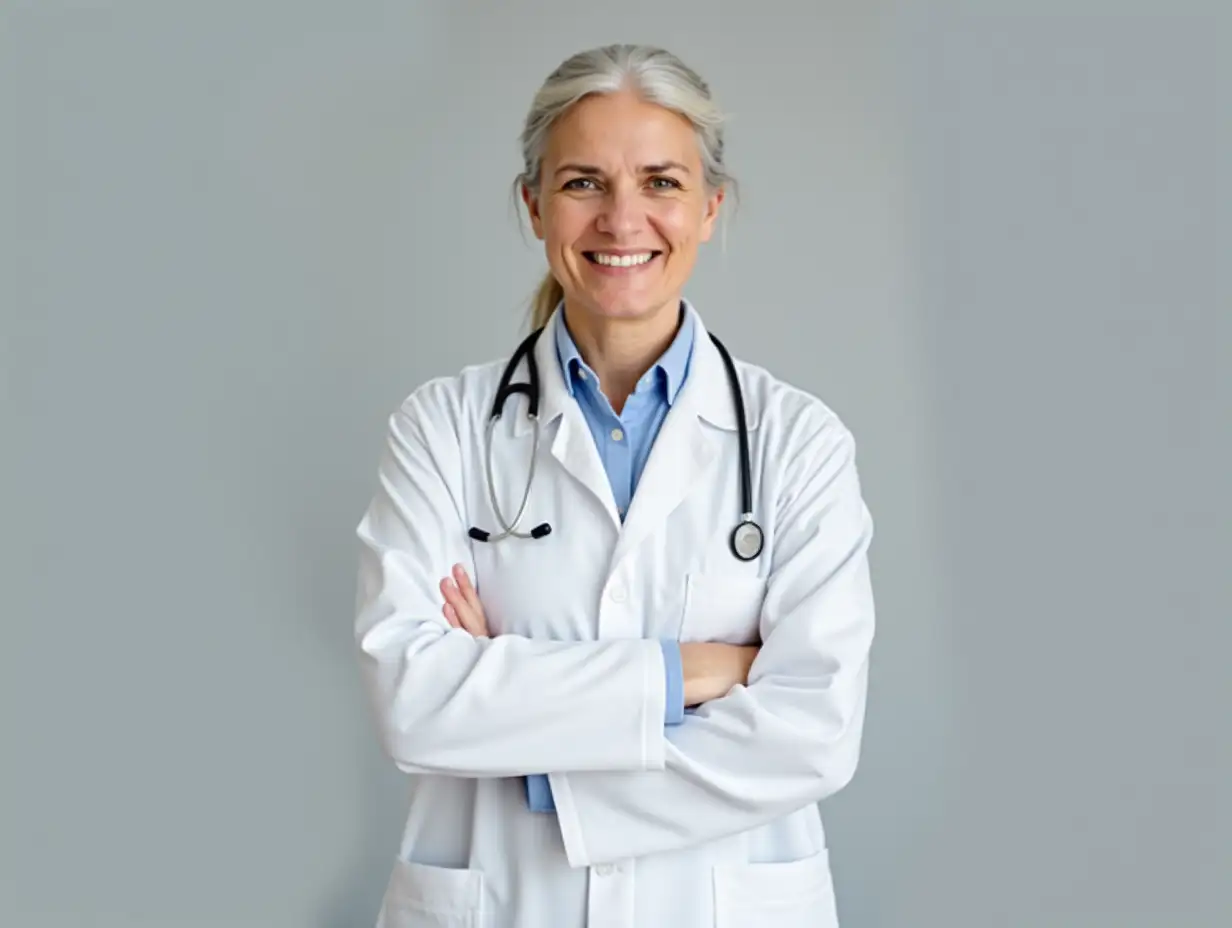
{"x":572,"y":445}
{"x":684,"y":448}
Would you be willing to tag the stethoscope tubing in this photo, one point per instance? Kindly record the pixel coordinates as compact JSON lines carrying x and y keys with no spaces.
{"x":746,"y":538}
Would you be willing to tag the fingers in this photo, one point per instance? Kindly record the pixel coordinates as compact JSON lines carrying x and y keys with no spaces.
{"x":462,"y":608}
{"x":451,"y":615}
{"x":456,"y":610}
{"x":463,"y":580}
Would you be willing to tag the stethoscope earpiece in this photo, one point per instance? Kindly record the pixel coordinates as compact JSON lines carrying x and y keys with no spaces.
{"x":537,"y":532}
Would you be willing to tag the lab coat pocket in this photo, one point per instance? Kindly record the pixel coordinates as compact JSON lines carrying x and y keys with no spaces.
{"x":420,"y":896}
{"x":723,"y":607}
{"x":796,"y":894}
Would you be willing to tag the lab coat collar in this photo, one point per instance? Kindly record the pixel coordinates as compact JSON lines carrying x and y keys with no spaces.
{"x":671,"y":368}
{"x":706,"y":390}
{"x":683,"y":449}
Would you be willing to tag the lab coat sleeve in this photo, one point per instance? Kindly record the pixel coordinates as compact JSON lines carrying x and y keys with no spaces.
{"x":539,"y":788}
{"x":789,"y":738}
{"x":449,"y":703}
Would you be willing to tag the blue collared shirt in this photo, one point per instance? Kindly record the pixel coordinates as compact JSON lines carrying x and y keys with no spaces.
{"x":624,"y":442}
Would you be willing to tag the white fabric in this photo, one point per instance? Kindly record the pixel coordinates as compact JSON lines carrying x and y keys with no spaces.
{"x":709,"y":824}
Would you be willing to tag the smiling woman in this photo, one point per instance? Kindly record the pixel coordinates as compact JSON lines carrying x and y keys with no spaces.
{"x":621,"y":202}
{"x":623,"y":179}
{"x":626,"y":715}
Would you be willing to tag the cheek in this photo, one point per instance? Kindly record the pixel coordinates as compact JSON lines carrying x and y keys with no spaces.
{"x":680,"y":223}
{"x":564,"y":222}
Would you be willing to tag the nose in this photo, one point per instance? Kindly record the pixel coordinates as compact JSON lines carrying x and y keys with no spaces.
{"x":622,"y":213}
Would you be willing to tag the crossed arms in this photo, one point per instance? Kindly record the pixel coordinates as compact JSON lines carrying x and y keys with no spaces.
{"x":781,"y":734}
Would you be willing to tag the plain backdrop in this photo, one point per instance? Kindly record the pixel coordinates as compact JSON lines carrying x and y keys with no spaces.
{"x":237,"y":234}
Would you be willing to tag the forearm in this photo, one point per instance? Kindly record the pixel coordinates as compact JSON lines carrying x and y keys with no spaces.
{"x":448,"y":703}
{"x":747,"y":759}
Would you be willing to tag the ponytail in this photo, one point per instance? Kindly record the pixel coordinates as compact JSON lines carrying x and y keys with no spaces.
{"x":546,"y":299}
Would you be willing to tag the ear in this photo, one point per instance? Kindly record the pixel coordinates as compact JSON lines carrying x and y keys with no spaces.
{"x":713,"y":202}
{"x":532,"y":210}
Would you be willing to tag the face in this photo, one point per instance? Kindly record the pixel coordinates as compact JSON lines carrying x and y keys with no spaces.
{"x":622,"y":206}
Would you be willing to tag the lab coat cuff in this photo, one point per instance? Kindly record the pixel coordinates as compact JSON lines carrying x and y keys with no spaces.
{"x":654,"y":707}
{"x":674,"y":678}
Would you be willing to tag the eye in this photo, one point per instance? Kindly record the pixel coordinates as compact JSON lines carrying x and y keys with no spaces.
{"x":665,"y":183}
{"x":577,"y":182}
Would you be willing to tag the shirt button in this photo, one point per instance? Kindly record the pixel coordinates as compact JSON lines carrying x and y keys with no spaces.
{"x":582,"y":374}
{"x":617,"y":435}
{"x":617,"y":593}
{"x":605,"y":870}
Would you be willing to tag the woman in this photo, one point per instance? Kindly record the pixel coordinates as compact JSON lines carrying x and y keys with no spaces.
{"x":628,"y":719}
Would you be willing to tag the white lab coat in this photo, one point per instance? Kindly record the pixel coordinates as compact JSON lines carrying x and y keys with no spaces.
{"x":710,"y":824}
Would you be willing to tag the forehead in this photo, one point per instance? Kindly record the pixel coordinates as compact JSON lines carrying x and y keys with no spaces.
{"x":617,"y":128}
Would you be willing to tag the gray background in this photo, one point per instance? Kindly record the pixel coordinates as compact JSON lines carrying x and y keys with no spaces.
{"x":237,"y":234}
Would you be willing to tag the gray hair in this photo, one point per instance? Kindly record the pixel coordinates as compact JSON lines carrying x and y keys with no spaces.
{"x":658,"y":77}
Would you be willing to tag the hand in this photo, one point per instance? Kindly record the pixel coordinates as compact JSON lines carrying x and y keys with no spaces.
{"x":711,"y":669}
{"x":462,"y":607}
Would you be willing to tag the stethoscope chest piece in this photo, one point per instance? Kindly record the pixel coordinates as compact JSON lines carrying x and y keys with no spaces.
{"x":747,"y":540}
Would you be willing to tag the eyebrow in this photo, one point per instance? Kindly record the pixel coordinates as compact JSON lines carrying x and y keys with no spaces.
{"x":592,"y":171}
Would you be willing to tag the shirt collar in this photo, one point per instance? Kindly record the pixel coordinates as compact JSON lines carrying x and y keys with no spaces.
{"x":672,"y":366}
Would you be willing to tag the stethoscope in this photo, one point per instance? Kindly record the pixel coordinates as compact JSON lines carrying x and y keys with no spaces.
{"x":747,"y":538}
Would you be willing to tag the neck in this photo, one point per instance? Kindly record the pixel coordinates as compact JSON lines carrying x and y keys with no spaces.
{"x":620,"y":351}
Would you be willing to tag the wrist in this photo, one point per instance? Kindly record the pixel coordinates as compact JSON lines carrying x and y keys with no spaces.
{"x":710,"y":670}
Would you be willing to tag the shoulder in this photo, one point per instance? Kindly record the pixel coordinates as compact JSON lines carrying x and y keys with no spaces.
{"x":809,"y":451}
{"x":451,"y":403}
{"x":435,"y":422}
{"x":792,"y":419}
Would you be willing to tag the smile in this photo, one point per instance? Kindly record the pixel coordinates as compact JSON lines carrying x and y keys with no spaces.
{"x":606,"y":259}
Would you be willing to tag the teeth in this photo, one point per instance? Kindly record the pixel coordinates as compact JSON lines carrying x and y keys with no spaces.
{"x":622,"y":260}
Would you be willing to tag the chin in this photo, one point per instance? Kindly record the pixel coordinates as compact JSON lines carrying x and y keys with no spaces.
{"x":609,"y":306}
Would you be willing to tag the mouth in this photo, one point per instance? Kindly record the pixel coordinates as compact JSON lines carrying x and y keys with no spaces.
{"x":621,"y":263}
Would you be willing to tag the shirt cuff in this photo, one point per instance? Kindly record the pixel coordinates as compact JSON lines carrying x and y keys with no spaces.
{"x":674,"y":708}
{"x":539,"y":793}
